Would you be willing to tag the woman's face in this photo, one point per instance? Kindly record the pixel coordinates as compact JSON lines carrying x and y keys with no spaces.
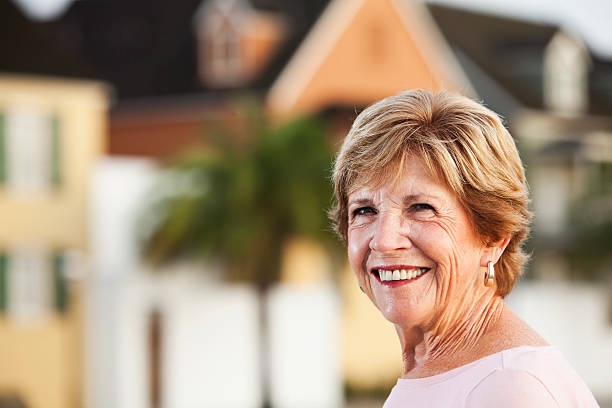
{"x":418,"y":226}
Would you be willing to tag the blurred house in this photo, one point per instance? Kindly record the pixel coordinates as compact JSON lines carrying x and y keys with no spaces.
{"x":51,"y":133}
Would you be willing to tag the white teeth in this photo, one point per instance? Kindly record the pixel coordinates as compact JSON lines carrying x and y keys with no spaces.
{"x":400,"y":274}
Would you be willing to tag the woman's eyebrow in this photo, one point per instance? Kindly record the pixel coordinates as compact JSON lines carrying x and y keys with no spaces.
{"x":419,"y":197}
{"x":360,"y":201}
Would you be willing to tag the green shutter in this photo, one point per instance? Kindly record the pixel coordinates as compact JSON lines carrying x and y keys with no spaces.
{"x":2,"y":148}
{"x":59,"y":283}
{"x":606,"y":178}
{"x":3,"y":282}
{"x":56,"y":174}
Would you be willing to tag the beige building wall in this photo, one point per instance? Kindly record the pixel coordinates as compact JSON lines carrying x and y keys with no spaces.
{"x":41,"y":358}
{"x":372,"y":356}
{"x":56,"y":217}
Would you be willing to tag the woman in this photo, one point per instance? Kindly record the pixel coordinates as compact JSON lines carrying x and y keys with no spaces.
{"x":431,"y":200}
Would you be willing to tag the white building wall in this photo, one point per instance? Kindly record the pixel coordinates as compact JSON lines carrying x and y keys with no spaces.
{"x":115,"y":352}
{"x":211,"y":347}
{"x":304,"y":346}
{"x":210,"y":344}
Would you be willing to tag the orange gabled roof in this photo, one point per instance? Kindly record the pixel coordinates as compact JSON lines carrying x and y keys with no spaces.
{"x":360,"y":51}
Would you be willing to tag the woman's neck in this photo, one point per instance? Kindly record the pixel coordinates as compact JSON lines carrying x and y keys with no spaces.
{"x":461,"y":335}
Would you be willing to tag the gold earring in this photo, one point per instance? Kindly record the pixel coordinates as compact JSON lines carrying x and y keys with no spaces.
{"x":489,"y":277}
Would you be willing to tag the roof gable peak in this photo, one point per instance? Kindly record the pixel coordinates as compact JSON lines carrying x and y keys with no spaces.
{"x":362,"y":50}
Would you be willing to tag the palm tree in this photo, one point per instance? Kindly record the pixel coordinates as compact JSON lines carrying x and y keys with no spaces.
{"x":241,"y":195}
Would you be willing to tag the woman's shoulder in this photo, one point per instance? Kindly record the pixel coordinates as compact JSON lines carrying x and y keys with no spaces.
{"x":510,"y":388}
{"x":524,"y":376}
{"x":531,"y":376}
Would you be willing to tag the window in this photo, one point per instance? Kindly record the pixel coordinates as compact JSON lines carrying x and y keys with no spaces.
{"x":29,"y":285}
{"x":220,"y":46}
{"x":30,"y":150}
{"x":33,"y":284}
{"x":566,"y":67}
{"x":225,"y":56}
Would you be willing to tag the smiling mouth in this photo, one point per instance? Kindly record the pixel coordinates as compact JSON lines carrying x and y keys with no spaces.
{"x":403,"y":274}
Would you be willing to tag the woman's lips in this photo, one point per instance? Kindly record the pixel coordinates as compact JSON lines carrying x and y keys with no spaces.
{"x":398,"y":275}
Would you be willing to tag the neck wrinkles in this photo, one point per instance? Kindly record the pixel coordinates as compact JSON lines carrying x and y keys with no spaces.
{"x":458,"y":330}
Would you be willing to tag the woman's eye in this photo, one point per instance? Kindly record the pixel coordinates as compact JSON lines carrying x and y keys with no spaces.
{"x":422,"y":207}
{"x":363,"y":211}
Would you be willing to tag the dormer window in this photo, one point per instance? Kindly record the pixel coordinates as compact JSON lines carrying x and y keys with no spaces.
{"x":224,"y":55}
{"x":566,"y":66}
{"x":221,"y":52}
{"x":235,"y":42}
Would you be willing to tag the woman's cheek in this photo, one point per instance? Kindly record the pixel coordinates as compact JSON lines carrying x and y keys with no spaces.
{"x":356,"y":250}
{"x":431,"y":240}
{"x":424,"y":237}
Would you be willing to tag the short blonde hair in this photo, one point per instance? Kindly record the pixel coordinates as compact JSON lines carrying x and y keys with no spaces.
{"x":463,"y":144}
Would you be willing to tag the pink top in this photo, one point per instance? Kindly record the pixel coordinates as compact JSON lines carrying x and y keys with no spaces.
{"x":518,"y":377}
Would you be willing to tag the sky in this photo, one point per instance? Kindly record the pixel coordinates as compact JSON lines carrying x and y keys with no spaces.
{"x":588,"y":19}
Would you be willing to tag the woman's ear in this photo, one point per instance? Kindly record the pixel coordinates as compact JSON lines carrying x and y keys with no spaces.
{"x":494,"y":251}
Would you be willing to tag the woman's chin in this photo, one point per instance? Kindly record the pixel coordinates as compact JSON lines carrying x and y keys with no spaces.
{"x":405,"y":306}
{"x":403,"y":313}
{"x":396,"y":317}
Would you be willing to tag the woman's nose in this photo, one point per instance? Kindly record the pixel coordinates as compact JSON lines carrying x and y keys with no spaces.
{"x":391,"y":233}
